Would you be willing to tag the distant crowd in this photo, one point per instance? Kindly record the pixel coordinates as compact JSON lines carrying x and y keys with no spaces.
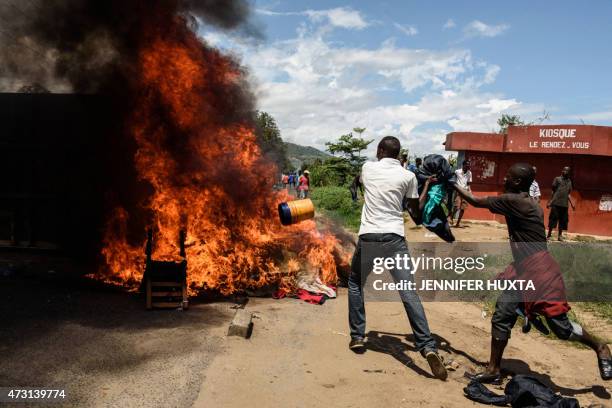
{"x":298,"y":182}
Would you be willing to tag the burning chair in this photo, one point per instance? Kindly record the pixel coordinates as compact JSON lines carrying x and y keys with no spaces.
{"x":165,"y":282}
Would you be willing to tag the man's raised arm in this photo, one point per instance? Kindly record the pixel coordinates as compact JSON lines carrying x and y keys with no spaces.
{"x":469,"y":197}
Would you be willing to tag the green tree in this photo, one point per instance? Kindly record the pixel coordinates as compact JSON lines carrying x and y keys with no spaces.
{"x":350,"y":147}
{"x":341,"y":168}
{"x":270,"y":140}
{"x":452,"y":159}
{"x":508,"y":120}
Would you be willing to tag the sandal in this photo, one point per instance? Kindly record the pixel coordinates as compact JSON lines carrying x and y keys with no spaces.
{"x":485,"y":378}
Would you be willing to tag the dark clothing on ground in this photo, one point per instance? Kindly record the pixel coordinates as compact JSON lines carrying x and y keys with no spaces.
{"x":558,"y":214}
{"x":523,"y":391}
{"x":387,"y":245}
{"x":562,"y":187}
{"x":525,"y":220}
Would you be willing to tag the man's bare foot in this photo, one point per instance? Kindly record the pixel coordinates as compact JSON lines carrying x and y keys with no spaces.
{"x":603,"y":351}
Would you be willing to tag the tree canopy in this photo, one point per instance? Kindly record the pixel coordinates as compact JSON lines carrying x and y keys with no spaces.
{"x":350,"y":147}
{"x":270,"y":140}
{"x":508,"y":120}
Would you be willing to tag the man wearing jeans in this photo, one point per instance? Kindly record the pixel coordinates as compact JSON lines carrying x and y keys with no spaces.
{"x":387,"y":187}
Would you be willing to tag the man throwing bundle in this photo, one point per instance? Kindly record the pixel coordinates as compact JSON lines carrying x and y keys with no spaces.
{"x":532,"y":261}
{"x":387,"y":186}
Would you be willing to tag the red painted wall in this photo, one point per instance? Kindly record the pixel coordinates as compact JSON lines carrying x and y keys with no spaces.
{"x":592,"y":178}
{"x":560,"y":139}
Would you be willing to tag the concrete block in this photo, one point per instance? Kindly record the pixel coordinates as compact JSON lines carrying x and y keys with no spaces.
{"x":242,"y":324}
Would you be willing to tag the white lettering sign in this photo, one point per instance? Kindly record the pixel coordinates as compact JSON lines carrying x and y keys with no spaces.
{"x":559,"y":133}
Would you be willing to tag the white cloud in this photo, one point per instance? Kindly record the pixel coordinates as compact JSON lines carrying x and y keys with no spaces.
{"x":340,"y":17}
{"x":318,"y":89}
{"x":479,"y":29}
{"x":343,"y":17}
{"x":450,"y":23}
{"x":409,"y":30}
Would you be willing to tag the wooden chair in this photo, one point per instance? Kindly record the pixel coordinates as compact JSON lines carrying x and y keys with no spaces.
{"x":166,"y":281}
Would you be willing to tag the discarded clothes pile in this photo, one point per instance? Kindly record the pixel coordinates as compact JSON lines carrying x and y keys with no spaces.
{"x":435,"y":212}
{"x":314,"y":291}
{"x":522,"y":391}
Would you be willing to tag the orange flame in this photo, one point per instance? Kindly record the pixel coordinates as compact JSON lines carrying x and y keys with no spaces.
{"x":217,"y":187}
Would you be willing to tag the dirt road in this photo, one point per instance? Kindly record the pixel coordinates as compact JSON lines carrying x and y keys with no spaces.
{"x":107,"y":351}
{"x":298,"y":355}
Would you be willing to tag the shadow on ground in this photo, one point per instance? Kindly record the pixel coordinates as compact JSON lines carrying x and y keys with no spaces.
{"x":98,"y":341}
{"x":397,"y":344}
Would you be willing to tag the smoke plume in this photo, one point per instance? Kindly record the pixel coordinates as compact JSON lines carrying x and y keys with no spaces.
{"x":183,"y":155}
{"x":87,"y":46}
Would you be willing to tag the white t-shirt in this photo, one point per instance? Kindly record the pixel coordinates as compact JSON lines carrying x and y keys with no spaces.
{"x":534,"y":190}
{"x":385,"y":185}
{"x":463,"y":178}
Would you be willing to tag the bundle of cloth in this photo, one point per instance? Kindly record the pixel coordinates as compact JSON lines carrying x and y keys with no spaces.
{"x":435,"y":212}
{"x":523,"y":391}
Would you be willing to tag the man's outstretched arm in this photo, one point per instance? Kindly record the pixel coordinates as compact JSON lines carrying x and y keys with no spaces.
{"x":469,"y":197}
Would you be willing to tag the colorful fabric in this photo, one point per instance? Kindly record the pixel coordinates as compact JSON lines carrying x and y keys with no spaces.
{"x":549,"y":298}
{"x":303,"y":183}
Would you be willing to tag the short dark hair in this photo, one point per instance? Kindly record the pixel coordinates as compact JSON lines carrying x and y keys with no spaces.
{"x":418,"y":159}
{"x":390,"y":146}
{"x":465,"y":162}
{"x":525,"y":173}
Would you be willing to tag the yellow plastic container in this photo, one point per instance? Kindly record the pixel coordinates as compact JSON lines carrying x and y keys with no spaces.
{"x":295,"y":211}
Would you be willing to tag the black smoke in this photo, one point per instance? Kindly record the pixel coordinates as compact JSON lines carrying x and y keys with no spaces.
{"x":92,"y":47}
{"x":87,"y":46}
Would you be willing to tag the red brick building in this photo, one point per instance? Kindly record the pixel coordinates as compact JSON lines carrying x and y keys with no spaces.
{"x":586,"y":149}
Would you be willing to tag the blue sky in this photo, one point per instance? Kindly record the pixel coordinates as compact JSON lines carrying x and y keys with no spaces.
{"x":419,"y":70}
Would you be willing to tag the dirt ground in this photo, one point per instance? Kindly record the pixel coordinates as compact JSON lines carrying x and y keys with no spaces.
{"x":298,"y":357}
{"x":106,"y":350}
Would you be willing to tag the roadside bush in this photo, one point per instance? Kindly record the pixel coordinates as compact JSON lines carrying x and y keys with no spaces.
{"x":337,"y":203}
{"x":334,"y":171}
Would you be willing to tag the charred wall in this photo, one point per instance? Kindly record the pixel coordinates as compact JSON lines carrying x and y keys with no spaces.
{"x":60,"y":154}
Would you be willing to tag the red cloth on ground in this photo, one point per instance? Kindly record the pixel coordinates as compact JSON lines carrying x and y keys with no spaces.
{"x":306,"y":296}
{"x":549,"y":298}
{"x":279,"y":294}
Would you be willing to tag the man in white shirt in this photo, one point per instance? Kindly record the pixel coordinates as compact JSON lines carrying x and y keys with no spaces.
{"x":534,"y":189}
{"x":464,"y":179}
{"x":389,"y":189}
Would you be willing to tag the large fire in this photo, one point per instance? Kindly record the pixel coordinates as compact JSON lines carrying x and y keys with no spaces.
{"x":209,"y":178}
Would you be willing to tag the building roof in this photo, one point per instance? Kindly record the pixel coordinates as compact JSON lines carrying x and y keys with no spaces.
{"x":540,"y":139}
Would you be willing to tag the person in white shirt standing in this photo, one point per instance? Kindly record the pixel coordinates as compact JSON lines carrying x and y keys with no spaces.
{"x":464,"y":179}
{"x":534,"y":189}
{"x":389,"y":189}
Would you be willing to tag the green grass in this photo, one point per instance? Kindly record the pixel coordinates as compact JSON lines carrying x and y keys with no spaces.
{"x":336,"y":203}
{"x":599,"y":309}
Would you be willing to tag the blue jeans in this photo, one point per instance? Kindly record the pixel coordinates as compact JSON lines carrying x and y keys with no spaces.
{"x":388,"y":245}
